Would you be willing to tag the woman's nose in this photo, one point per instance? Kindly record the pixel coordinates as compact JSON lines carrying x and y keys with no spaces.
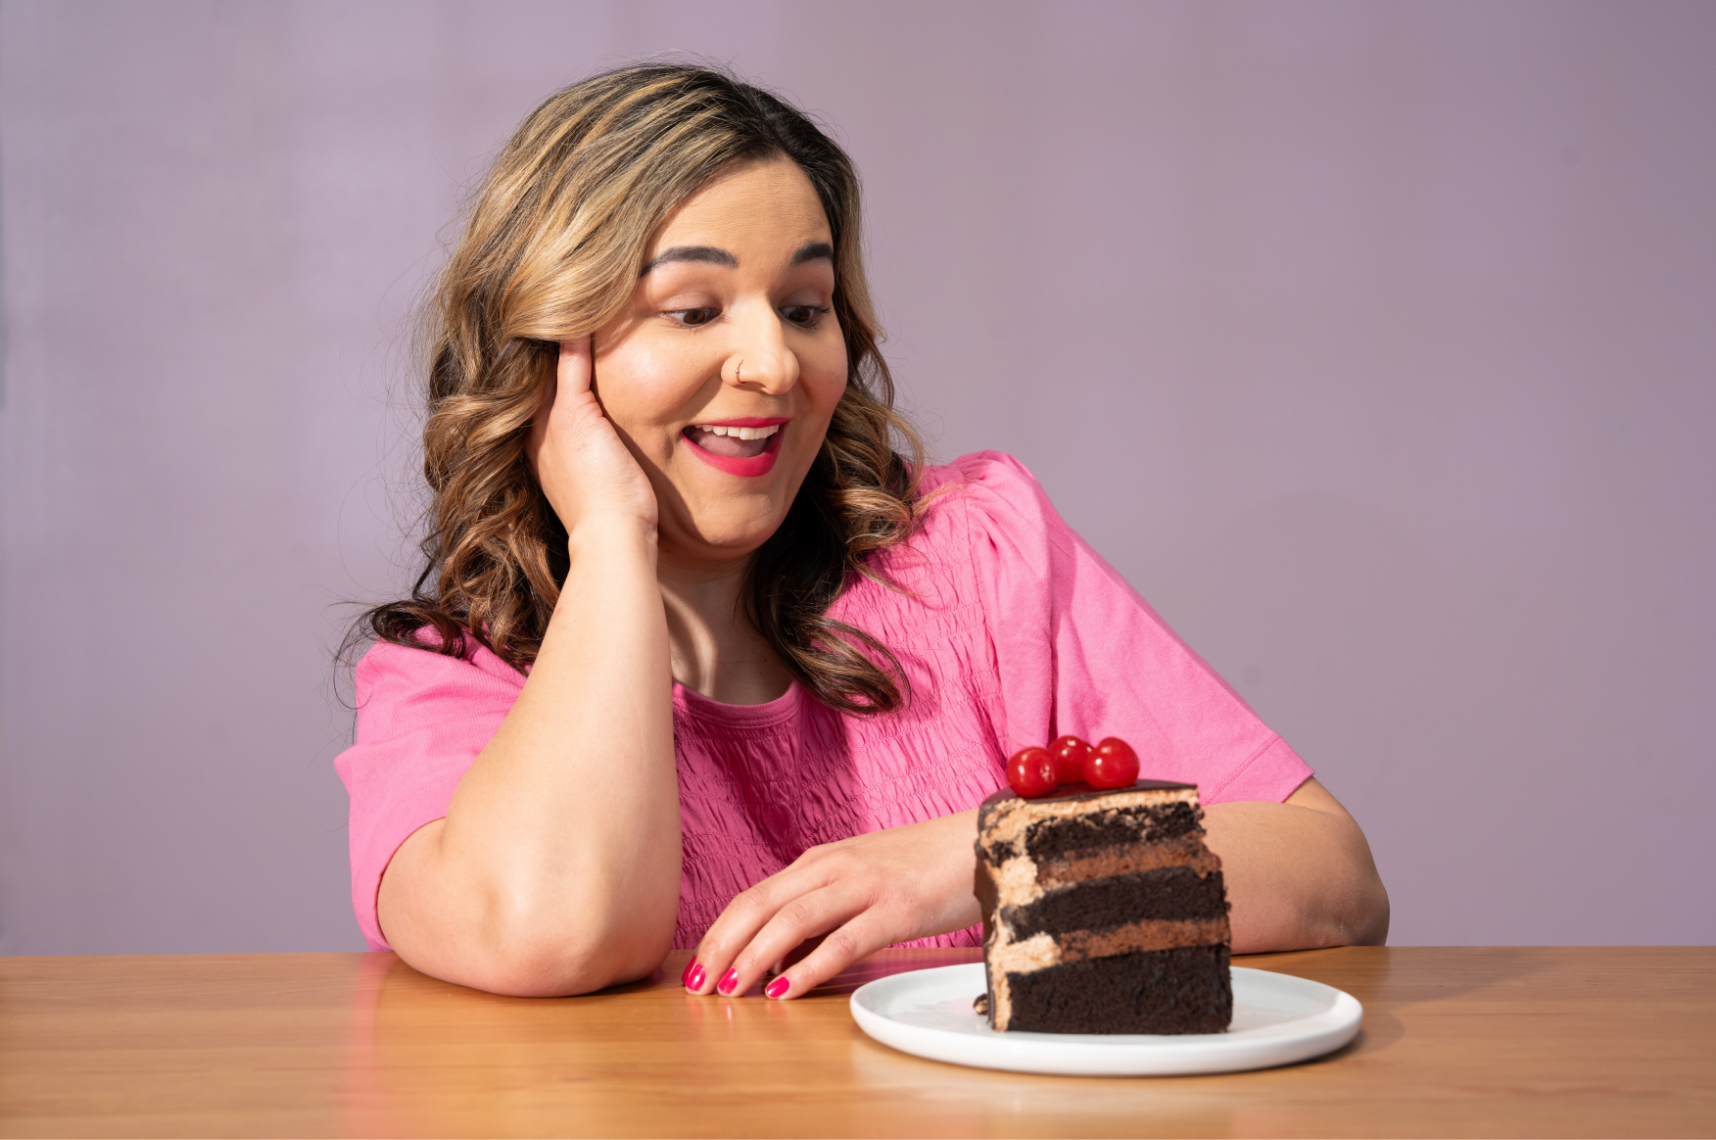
{"x":761,"y":360}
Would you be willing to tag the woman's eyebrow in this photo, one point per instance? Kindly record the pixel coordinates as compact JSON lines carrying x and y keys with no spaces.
{"x":707,"y":253}
{"x":813,"y":251}
{"x":716,"y":256}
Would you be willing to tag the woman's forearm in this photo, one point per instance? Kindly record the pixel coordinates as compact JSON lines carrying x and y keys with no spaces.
{"x":557,"y":868}
{"x":1299,"y":874}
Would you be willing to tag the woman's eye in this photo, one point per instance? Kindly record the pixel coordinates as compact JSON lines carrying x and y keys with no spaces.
{"x":693,"y":317}
{"x":805,"y":316}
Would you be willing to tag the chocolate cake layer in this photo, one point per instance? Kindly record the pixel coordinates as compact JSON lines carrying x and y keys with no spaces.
{"x":1165,"y":894}
{"x":1061,"y":837}
{"x":1065,"y":822}
{"x":1153,"y":991}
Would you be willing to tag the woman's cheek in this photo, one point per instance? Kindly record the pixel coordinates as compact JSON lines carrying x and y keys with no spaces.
{"x":829,"y":377}
{"x":641,"y":388}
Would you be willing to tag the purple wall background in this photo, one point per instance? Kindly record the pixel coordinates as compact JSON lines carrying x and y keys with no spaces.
{"x":1373,"y":343}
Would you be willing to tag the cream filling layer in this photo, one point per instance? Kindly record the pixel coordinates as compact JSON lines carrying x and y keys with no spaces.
{"x":1040,"y":951}
{"x":1020,"y":880}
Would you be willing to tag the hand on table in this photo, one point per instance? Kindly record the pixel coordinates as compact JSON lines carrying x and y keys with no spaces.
{"x":857,"y":895}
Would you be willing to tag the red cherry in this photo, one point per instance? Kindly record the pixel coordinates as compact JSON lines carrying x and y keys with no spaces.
{"x":1031,"y":772}
{"x":1070,"y":753}
{"x":1112,"y":764}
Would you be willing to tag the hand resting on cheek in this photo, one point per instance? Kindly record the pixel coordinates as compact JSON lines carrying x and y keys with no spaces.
{"x":584,"y":467}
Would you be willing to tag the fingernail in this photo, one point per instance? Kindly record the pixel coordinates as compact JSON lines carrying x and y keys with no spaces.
{"x":776,"y":988}
{"x":685,"y":974}
{"x":728,"y":981}
{"x":695,"y":981}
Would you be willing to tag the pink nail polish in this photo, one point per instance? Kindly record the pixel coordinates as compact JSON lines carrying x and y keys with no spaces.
{"x":685,"y":974}
{"x":695,"y":981}
{"x":728,"y":981}
{"x":776,"y":988}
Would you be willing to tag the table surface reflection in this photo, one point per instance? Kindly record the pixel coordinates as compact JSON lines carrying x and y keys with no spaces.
{"x":1456,"y":1041}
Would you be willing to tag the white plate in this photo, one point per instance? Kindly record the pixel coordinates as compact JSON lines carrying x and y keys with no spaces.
{"x":1277,"y":1019}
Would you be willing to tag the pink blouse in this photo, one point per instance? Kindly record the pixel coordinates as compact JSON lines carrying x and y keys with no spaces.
{"x":1012,"y":632}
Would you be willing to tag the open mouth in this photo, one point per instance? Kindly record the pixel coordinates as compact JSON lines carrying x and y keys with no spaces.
{"x":738,"y":447}
{"x":733,"y":442}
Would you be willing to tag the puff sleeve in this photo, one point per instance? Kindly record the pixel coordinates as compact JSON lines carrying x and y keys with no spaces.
{"x":422,"y":719}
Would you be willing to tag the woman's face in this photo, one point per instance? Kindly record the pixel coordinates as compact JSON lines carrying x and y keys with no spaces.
{"x":724,"y":370}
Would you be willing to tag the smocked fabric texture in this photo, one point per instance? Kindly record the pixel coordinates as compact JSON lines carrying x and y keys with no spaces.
{"x":1011,"y":631}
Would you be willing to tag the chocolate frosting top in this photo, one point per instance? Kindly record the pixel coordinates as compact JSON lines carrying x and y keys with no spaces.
{"x":1083,"y":791}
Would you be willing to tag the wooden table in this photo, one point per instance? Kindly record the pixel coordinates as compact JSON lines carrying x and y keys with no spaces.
{"x":1495,"y":1042}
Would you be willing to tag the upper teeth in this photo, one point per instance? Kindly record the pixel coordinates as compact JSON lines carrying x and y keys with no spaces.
{"x":740,"y":432}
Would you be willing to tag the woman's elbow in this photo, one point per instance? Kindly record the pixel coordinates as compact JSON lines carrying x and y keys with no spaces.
{"x":506,"y":941}
{"x":1355,"y":913}
{"x":532,"y":960}
{"x":1340,"y":904}
{"x":1353,"y":903}
{"x":1363,"y":920}
{"x":541,"y":970}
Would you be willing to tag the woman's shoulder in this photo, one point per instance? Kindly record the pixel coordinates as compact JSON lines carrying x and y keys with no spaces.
{"x":987,"y":473}
{"x":986,"y":493}
{"x":390,"y":671}
{"x":970,"y":510}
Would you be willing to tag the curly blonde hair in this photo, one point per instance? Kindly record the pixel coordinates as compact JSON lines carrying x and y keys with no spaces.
{"x":554,"y":240}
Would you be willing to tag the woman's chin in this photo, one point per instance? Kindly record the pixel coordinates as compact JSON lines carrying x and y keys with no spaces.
{"x":723,"y":529}
{"x":717,"y":515}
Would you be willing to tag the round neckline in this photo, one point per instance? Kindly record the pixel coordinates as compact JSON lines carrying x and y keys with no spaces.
{"x":783,"y":707}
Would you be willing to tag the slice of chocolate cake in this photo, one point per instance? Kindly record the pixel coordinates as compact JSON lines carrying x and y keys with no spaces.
{"x":1103,"y":912}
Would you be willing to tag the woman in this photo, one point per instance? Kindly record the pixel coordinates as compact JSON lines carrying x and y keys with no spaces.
{"x":698,"y":659}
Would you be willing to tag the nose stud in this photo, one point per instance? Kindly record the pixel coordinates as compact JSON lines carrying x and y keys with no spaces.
{"x":738,"y":368}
